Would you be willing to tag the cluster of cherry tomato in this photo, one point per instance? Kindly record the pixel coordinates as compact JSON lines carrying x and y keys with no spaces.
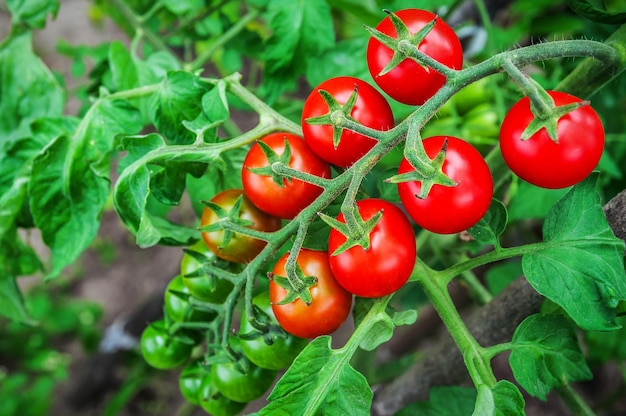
{"x":382,"y":264}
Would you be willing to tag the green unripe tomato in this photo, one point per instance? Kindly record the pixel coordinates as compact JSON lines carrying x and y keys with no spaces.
{"x":178,"y":307}
{"x":160,"y":349}
{"x":282,"y":350}
{"x":190,"y":381}
{"x":214,"y":402}
{"x":204,"y":288}
{"x":237,"y":385}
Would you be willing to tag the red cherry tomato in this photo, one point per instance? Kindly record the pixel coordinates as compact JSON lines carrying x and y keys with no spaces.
{"x":543,"y":162}
{"x":371,"y":110}
{"x":410,"y":82}
{"x":450,"y":209}
{"x":387,"y":264}
{"x":240,"y":248}
{"x":330,"y":306}
{"x":293,"y":195}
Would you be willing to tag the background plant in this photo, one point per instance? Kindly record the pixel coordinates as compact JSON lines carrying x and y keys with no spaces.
{"x":171,"y":131}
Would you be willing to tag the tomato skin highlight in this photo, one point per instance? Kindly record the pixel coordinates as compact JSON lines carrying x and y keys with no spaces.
{"x":387,"y":264}
{"x":544,"y":163}
{"x":331,"y":303}
{"x":276,"y":356}
{"x":450,"y":209}
{"x":240,"y":248}
{"x":295,"y":195}
{"x":371,"y":110}
{"x":409,"y":82}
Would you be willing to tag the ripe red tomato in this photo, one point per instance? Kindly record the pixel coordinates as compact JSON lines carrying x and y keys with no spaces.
{"x":409,"y":82}
{"x":450,"y":209}
{"x":330,"y":306}
{"x":543,"y":162}
{"x":240,"y":248}
{"x":371,"y":109}
{"x":292,"y":196}
{"x":387,"y":264}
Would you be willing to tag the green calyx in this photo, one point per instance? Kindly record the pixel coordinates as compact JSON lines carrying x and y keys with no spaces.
{"x":336,"y":114}
{"x":427,"y":171}
{"x":297,"y":286}
{"x":356,"y":230}
{"x":272,"y":159}
{"x":225,"y":217}
{"x":403,"y":35}
{"x":547,"y":115}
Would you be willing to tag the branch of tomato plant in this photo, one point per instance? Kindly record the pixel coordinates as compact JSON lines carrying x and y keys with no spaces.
{"x":140,"y":28}
{"x":206,"y":55}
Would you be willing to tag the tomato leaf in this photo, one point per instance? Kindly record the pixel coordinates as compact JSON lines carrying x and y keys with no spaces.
{"x":492,"y":225}
{"x":70,"y":180}
{"x":128,"y":71}
{"x":452,"y":400}
{"x":504,"y":399}
{"x":320,"y":377}
{"x":29,"y":89}
{"x":576,"y":234}
{"x":301,"y":30}
{"x":12,"y":302}
{"x":153,"y":169}
{"x":178,"y":99}
{"x":596,"y":10}
{"x":384,"y":322}
{"x":546,"y":354}
{"x":32,"y":13}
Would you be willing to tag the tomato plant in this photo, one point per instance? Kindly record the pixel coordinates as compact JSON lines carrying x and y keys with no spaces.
{"x":162,"y":350}
{"x":239,"y":384}
{"x":279,"y":196}
{"x":552,"y":162}
{"x":408,"y":81}
{"x":386,"y":264}
{"x":201,"y":285}
{"x":450,"y":209}
{"x":213,"y":401}
{"x":273,"y":351}
{"x":233,"y":246}
{"x":370,"y":109}
{"x":177,"y":305}
{"x":330,"y":304}
{"x":157,"y":126}
{"x":190,"y":381}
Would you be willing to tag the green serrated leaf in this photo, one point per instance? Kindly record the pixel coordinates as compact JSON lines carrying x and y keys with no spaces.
{"x":457,"y":401}
{"x":32,"y":13}
{"x":70,"y":181}
{"x":178,"y":99}
{"x":577,"y":236}
{"x":320,"y":378}
{"x":596,"y":10}
{"x":504,"y":399}
{"x":492,"y":225}
{"x":301,"y":30}
{"x":12,"y":302}
{"x":508,"y":399}
{"x":546,"y":354}
{"x":29,"y":89}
